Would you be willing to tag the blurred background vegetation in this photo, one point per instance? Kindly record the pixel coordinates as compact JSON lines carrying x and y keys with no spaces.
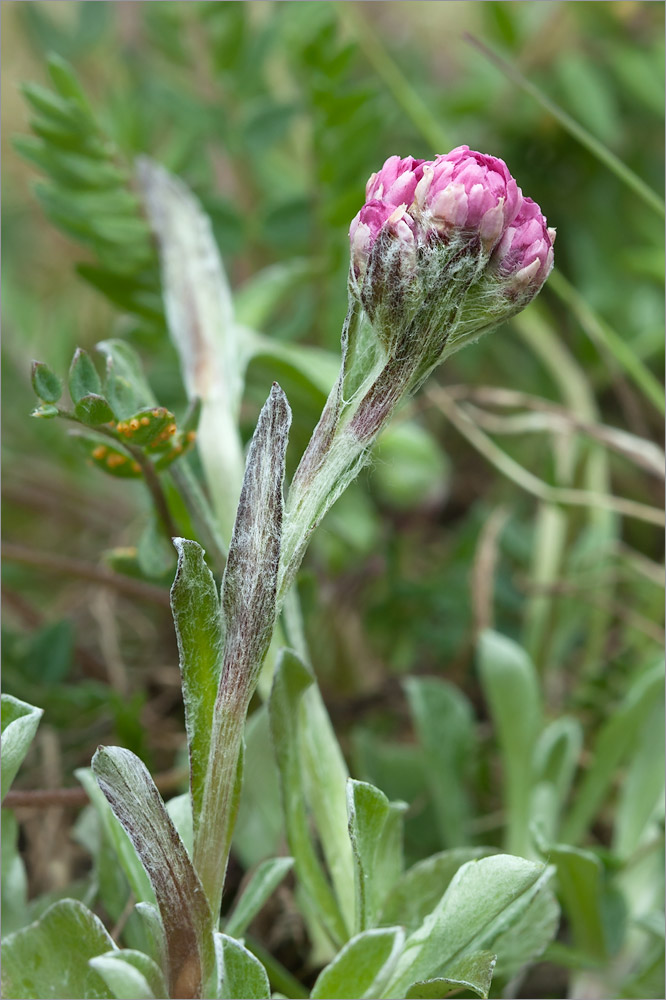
{"x":275,"y":114}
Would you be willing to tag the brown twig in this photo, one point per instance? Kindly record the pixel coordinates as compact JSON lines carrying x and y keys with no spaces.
{"x":67,"y":566}
{"x":47,"y":798}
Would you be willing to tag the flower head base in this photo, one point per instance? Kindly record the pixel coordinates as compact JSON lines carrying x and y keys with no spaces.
{"x":444,"y":250}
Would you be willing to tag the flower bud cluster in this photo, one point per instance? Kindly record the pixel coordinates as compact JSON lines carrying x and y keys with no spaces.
{"x":443,"y":250}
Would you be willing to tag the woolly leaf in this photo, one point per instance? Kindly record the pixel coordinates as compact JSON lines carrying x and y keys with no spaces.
{"x":362,"y":967}
{"x":19,"y":725}
{"x":50,"y":958}
{"x":131,"y":975}
{"x":240,"y":973}
{"x":186,"y":917}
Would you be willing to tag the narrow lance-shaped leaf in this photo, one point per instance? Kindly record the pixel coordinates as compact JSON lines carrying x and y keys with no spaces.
{"x":249,"y":607}
{"x":201,"y":324}
{"x":264,"y":881}
{"x":368,"y":810}
{"x":185,"y":914}
{"x":196,"y":614}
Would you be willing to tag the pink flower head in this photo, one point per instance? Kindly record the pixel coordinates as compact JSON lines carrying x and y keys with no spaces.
{"x":467,"y":190}
{"x":525,"y":252}
{"x":375,"y":216}
{"x":396,"y":182}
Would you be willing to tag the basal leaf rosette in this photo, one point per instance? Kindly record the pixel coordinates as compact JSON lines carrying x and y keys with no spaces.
{"x":444,"y":250}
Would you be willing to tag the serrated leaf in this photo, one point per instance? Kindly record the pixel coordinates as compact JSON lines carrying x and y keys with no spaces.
{"x":472,"y":972}
{"x":94,"y":410}
{"x":181,"y":901}
{"x":63,"y":939}
{"x":483,"y":898}
{"x":511,"y":687}
{"x":422,"y":886}
{"x":83,"y":377}
{"x":131,"y":975}
{"x":262,"y":884}
{"x":199,"y":631}
{"x":46,"y":383}
{"x":19,"y":725}
{"x":291,"y":679}
{"x":241,"y":976}
{"x":362,"y":967}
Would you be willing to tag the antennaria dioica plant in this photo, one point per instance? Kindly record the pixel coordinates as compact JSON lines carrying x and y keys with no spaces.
{"x":435,"y":263}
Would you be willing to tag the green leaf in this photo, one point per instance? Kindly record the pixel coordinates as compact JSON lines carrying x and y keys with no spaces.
{"x":180,"y":898}
{"x":580,"y":881}
{"x":526,"y":937}
{"x":49,"y":958}
{"x":199,"y":631}
{"x":46,"y":412}
{"x":444,"y":722}
{"x":14,"y":882}
{"x":46,"y":383}
{"x":643,"y":789}
{"x":155,"y":553}
{"x":93,"y":410}
{"x":483,"y":898}
{"x":131,"y":975}
{"x":125,"y":385}
{"x":259,"y":828}
{"x":472,"y":972}
{"x":511,"y":688}
{"x":369,"y":811}
{"x":363,"y":966}
{"x":151,"y":921}
{"x":83,"y":377}
{"x":422,"y":886}
{"x":258,"y":298}
{"x":325,"y":777}
{"x":19,"y":725}
{"x":616,"y":739}
{"x":151,"y":428}
{"x":106,"y":457}
{"x":292,"y":679}
{"x":65,"y":80}
{"x":262,"y":884}
{"x":241,"y":975}
{"x":557,"y":754}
